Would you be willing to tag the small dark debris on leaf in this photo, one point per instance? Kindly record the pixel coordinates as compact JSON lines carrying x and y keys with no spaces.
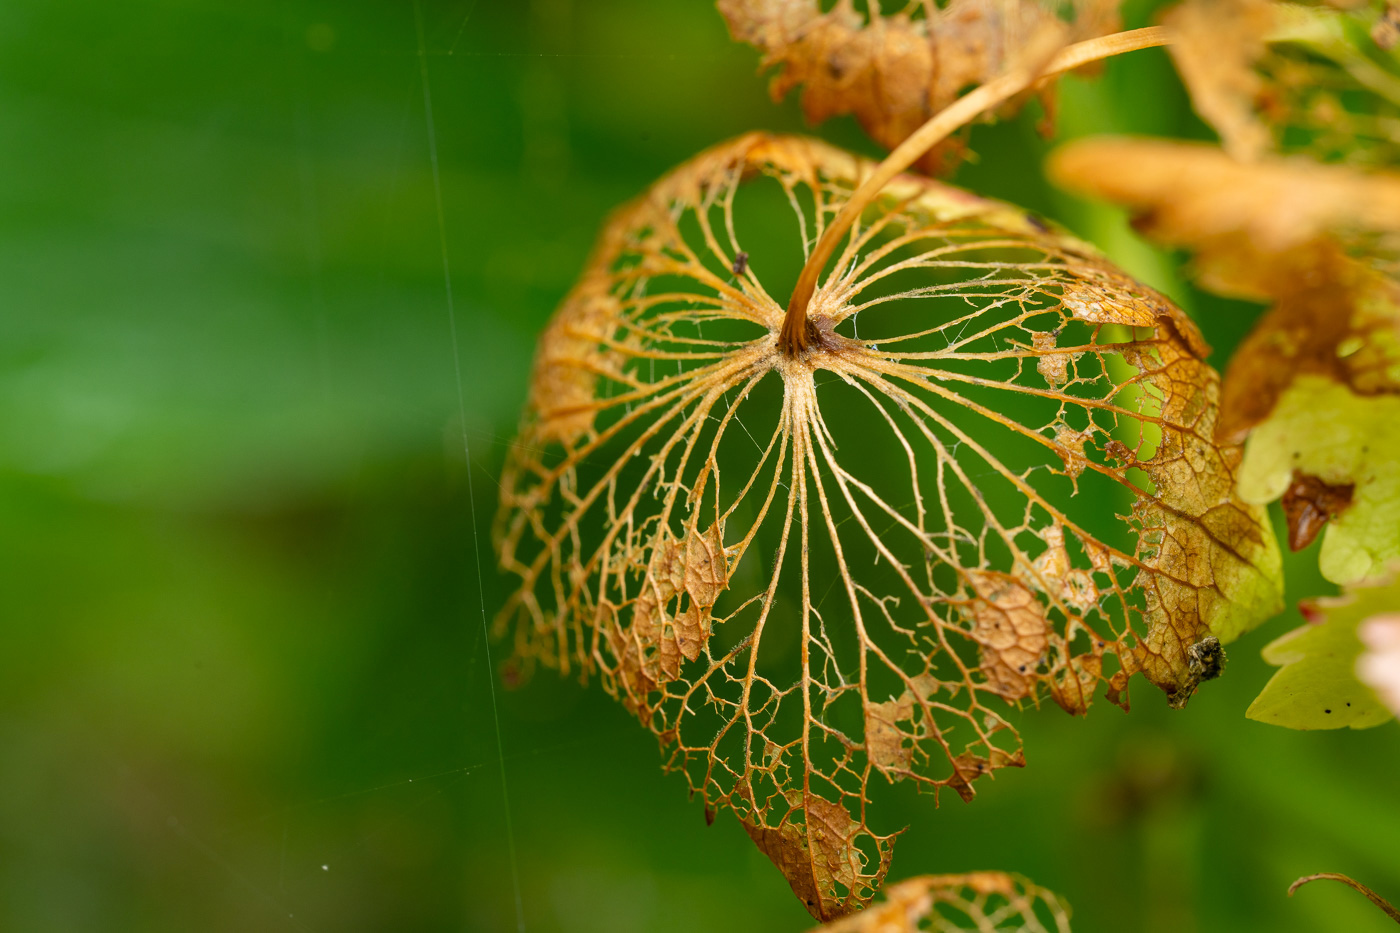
{"x":1205,"y":660}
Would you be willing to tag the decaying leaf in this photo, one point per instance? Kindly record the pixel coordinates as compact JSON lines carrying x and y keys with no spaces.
{"x":979,"y":902}
{"x":1318,"y":686}
{"x":895,"y":71}
{"x":1316,"y":387}
{"x":1287,"y":76}
{"x":1386,"y":30}
{"x":1216,"y":45}
{"x":812,"y":575}
{"x":1325,"y":435}
{"x":819,"y":848}
{"x":1255,"y":227}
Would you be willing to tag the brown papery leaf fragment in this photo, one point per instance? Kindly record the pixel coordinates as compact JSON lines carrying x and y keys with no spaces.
{"x":894,"y":72}
{"x":977,"y":902}
{"x":815,"y":575}
{"x":1216,"y":45}
{"x":1309,"y":504}
{"x":817,"y":848}
{"x":1235,"y":214}
{"x":1386,"y":31}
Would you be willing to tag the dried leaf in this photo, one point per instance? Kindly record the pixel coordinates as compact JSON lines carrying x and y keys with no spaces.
{"x":1216,"y":44}
{"x":1386,"y":31}
{"x":815,"y":575}
{"x":1251,"y":224}
{"x":1317,"y":686}
{"x":1334,"y":318}
{"x":817,"y":847}
{"x":1011,"y":626}
{"x":980,"y":902}
{"x":1271,"y":76}
{"x":894,"y":72}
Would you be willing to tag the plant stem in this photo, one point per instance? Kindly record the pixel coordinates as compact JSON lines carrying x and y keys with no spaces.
{"x":1374,"y":898}
{"x":795,"y":337}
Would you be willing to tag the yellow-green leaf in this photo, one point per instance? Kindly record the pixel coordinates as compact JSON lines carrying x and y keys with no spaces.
{"x":1317,"y":687}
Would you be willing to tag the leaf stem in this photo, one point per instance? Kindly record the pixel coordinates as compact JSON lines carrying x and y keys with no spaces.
{"x":1372,"y":896}
{"x":796,"y":336}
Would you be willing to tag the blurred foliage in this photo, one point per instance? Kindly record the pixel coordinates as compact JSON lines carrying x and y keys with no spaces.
{"x":243,"y":681}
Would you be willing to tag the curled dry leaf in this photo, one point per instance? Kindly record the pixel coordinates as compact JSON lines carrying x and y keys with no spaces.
{"x":1271,"y":76}
{"x":978,"y":902}
{"x":1247,"y":222}
{"x":894,"y":72}
{"x":1216,"y":45}
{"x":1323,"y":681}
{"x":812,"y":576}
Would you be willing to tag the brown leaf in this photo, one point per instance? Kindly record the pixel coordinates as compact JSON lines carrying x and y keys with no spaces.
{"x":887,"y":744}
{"x":1334,"y":318}
{"x":1216,"y":45}
{"x":817,"y":848}
{"x":1010,"y":625}
{"x":814,"y":575}
{"x":1236,"y":215}
{"x":894,"y":72}
{"x":671,"y":615}
{"x":1386,"y":31}
{"x":970,"y":766}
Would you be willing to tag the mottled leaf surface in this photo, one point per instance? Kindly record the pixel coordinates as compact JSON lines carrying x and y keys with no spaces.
{"x":1317,"y":686}
{"x":994,"y":478}
{"x":894,"y":71}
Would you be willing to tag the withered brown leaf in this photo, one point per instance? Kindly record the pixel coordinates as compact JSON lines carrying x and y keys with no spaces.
{"x":1245,"y":221}
{"x":977,"y":902}
{"x":1273,"y":76}
{"x":811,"y":576}
{"x":1216,"y":45}
{"x":895,"y":71}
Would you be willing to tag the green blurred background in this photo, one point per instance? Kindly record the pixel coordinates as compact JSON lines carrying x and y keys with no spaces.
{"x":244,"y":683}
